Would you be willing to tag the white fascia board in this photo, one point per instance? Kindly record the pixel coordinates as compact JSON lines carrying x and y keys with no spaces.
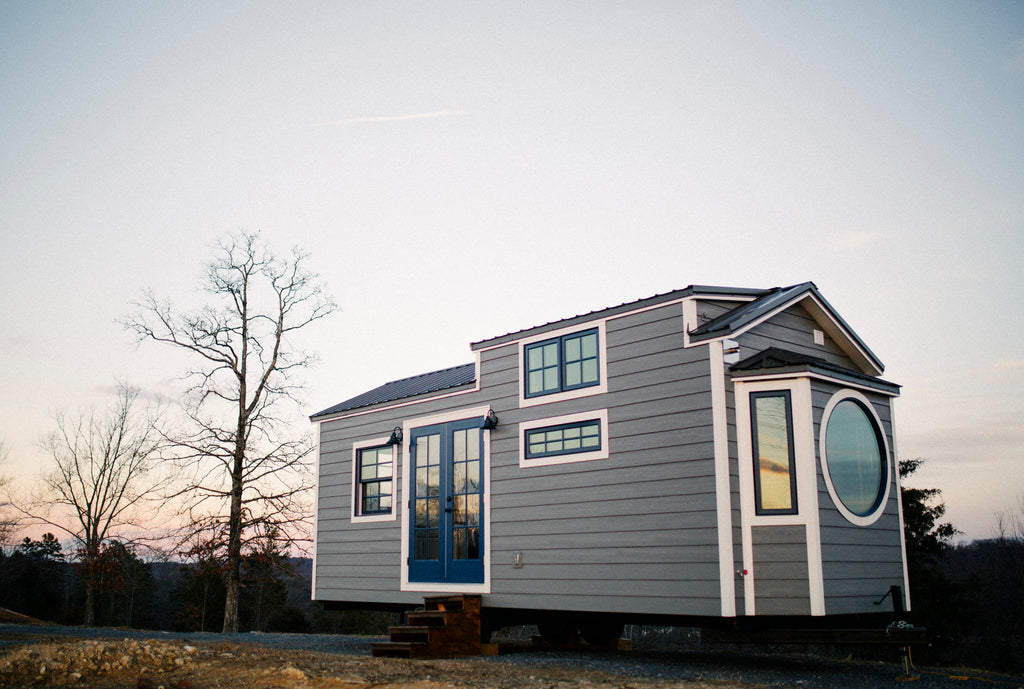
{"x":823,"y":316}
{"x":791,"y":375}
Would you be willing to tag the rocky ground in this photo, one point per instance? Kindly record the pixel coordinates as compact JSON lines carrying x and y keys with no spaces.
{"x":147,"y":664}
{"x":35,"y":655}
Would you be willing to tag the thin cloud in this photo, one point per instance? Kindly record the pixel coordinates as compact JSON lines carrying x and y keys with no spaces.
{"x":854,"y":240}
{"x":392,"y":118}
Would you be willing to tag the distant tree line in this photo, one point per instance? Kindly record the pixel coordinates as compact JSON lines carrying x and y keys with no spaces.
{"x":39,"y":579}
{"x":970,"y":596}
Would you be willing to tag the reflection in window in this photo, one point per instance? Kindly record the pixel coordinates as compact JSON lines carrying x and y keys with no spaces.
{"x":465,"y":492}
{"x":772,"y":436}
{"x":853,"y":451}
{"x":375,"y":470}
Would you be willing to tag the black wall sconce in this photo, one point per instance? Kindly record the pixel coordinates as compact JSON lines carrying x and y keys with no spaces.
{"x":490,"y":421}
{"x":396,"y":436}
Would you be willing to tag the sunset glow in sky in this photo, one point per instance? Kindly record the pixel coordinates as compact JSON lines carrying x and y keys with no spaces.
{"x":462,"y":170}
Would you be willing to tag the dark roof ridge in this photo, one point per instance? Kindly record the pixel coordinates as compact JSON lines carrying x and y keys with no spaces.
{"x":777,"y":357}
{"x":701,"y":290}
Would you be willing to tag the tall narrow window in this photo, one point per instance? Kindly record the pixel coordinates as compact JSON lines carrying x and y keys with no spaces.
{"x":375,"y":472}
{"x":772,"y":435}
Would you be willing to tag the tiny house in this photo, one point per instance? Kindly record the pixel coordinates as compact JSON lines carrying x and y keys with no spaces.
{"x":702,"y":455}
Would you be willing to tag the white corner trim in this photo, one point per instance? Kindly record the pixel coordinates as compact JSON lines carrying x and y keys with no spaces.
{"x":316,"y":515}
{"x":807,"y":491}
{"x":723,"y":490}
{"x":899,"y":505}
{"x":603,"y":453}
{"x":354,"y":515}
{"x":806,"y":485}
{"x":689,"y":319}
{"x":839,"y":396}
{"x":419,"y":422}
{"x":602,"y":363}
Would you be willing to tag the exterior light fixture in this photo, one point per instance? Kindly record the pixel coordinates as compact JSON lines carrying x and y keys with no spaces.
{"x":396,"y":436}
{"x":490,"y":421}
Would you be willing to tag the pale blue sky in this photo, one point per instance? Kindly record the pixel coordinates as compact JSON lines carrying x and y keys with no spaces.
{"x":460,"y":170}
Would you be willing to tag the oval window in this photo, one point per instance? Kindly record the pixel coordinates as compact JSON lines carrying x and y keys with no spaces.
{"x":855,"y":458}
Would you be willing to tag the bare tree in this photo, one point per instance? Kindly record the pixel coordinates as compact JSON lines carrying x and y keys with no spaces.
{"x":246,"y":470}
{"x":8,"y":522}
{"x":105,"y":470}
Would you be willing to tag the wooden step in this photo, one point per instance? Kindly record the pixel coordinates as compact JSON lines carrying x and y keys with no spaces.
{"x":410,"y":633}
{"x":399,"y":649}
{"x":447,"y":627}
{"x":426,"y":618}
{"x":452,"y":603}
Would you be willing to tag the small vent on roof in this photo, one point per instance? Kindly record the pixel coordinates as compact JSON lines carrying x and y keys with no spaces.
{"x":819,"y":338}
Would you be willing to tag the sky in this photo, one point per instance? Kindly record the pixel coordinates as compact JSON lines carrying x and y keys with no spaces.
{"x":459,"y":170}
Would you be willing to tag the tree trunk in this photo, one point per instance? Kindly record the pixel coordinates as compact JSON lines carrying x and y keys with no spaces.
{"x":234,"y":575}
{"x":90,"y":602}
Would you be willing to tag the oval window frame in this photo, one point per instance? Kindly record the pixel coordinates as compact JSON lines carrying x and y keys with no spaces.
{"x":865,"y":403}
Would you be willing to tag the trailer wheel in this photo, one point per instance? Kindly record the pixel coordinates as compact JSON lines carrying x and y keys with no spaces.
{"x":601,"y":630}
{"x":557,"y":630}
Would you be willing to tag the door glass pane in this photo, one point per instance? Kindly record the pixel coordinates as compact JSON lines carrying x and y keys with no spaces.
{"x":459,"y":510}
{"x":459,"y":546}
{"x":472,"y":509}
{"x":459,"y":446}
{"x":459,"y":478}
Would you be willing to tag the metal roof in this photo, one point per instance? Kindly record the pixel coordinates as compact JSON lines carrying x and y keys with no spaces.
{"x":693,"y":290}
{"x":776,"y":359}
{"x":736,"y":319}
{"x":407,"y":387}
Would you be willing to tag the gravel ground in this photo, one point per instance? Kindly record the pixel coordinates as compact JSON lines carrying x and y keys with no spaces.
{"x":738,"y":668}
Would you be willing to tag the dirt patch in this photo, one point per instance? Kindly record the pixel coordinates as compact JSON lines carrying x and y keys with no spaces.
{"x":131,"y":664}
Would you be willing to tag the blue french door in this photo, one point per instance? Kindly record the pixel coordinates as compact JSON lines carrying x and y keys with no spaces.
{"x":446,"y":503}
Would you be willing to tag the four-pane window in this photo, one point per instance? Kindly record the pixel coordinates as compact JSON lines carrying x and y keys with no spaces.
{"x":375,"y":485}
{"x":562,"y":363}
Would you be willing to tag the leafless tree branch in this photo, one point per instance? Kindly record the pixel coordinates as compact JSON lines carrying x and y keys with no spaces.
{"x":246,"y":476}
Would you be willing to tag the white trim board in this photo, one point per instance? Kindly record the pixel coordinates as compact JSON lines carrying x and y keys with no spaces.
{"x":805,"y":465}
{"x":446,"y":417}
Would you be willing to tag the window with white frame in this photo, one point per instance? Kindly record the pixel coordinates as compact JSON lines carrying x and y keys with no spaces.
{"x":562,"y":363}
{"x":771,"y":437}
{"x":373,"y":481}
{"x":855,"y":457}
{"x":570,"y":438}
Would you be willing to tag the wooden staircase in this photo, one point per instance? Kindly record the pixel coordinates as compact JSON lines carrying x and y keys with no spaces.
{"x":446,"y":627}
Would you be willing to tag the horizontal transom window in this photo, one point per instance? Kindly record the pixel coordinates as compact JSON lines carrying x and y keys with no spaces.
{"x":568,"y":438}
{"x":578,"y":437}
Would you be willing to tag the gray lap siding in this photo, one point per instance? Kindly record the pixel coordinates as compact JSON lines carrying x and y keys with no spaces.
{"x":859,"y":563}
{"x":636,"y":532}
{"x":632,"y":533}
